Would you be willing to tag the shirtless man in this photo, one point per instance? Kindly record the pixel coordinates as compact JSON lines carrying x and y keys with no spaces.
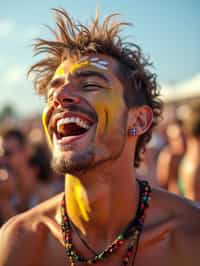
{"x":102,"y":103}
{"x":170,"y":157}
{"x":189,"y":178}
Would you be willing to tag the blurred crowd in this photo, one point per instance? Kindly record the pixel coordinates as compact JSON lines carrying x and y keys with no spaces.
{"x":26,"y":176}
{"x":171,"y":161}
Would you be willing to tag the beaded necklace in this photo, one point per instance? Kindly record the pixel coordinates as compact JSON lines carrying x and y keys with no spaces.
{"x":131,"y":233}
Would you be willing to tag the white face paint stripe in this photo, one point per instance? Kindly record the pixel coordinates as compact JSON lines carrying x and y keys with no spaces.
{"x":95,"y":61}
{"x":103,"y":62}
{"x":99,"y":66}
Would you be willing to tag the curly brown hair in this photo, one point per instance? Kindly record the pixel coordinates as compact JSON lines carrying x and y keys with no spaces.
{"x":75,"y":39}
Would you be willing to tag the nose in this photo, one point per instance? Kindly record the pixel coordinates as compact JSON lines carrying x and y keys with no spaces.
{"x":64,"y":96}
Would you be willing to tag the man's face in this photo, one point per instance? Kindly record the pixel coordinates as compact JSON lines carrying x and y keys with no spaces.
{"x":85,"y":118}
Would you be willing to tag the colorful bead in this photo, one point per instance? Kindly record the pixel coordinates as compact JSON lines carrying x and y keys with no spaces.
{"x":120,"y":237}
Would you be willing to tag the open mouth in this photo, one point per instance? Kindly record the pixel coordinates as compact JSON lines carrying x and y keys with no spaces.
{"x":71,"y":127}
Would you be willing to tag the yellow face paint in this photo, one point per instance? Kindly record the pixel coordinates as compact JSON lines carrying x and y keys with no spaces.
{"x":115,"y":103}
{"x":101,"y":113}
{"x":76,"y":66}
{"x":44,"y":116}
{"x":77,"y":201}
{"x":60,"y":71}
{"x":78,"y":205}
{"x":84,"y":62}
{"x":107,"y":106}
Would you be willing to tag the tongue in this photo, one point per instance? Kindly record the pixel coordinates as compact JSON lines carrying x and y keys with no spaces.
{"x":72,"y":129}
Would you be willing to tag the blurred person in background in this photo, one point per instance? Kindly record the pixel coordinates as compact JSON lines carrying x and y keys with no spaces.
{"x":26,"y":175}
{"x":38,"y":141}
{"x":170,"y":157}
{"x":189,"y":172}
{"x":16,"y":154}
{"x":39,"y":163}
{"x":7,"y":191}
{"x":147,"y":170}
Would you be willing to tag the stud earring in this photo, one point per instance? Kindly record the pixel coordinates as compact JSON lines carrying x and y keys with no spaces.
{"x":132,"y":132}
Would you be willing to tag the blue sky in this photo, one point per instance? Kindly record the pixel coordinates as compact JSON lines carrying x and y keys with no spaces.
{"x":167,"y":31}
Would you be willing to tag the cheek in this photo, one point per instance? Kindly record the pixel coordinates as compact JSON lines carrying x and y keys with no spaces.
{"x":115,"y":106}
{"x":108,"y":106}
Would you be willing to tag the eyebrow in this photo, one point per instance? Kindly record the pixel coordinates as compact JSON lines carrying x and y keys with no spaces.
{"x":88,"y":73}
{"x":56,"y":80}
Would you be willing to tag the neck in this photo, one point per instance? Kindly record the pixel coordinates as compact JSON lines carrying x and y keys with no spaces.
{"x":103,"y":201}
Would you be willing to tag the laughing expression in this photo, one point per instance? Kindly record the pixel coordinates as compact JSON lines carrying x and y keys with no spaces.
{"x":85,"y":116}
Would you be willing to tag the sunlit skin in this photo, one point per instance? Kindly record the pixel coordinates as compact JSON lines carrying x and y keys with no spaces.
{"x":106,"y":105}
{"x":102,"y":104}
{"x":103,"y":198}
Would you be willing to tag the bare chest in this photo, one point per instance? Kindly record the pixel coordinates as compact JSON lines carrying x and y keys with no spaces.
{"x":159,"y":253}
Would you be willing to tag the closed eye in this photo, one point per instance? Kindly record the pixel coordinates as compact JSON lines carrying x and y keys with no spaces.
{"x":91,"y":86}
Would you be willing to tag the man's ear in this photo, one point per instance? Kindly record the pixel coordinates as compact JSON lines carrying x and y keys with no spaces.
{"x":139,"y":120}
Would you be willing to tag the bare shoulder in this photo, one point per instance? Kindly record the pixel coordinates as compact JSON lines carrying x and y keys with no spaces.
{"x":182,"y":218}
{"x":24,"y":235}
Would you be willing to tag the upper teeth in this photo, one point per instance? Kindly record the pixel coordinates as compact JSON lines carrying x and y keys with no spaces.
{"x":75,"y":120}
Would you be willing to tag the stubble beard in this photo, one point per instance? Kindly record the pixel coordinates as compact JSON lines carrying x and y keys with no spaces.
{"x":84,"y":161}
{"x":76,"y":163}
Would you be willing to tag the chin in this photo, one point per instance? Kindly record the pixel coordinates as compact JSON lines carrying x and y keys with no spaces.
{"x":74,"y":164}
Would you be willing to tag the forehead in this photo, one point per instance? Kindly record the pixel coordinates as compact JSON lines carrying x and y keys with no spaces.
{"x":99,"y":62}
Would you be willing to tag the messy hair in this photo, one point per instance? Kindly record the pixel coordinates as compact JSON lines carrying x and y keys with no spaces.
{"x":75,"y":39}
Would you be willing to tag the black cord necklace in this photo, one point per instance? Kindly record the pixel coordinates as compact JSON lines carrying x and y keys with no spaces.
{"x":131,"y":233}
{"x":83,"y":240}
